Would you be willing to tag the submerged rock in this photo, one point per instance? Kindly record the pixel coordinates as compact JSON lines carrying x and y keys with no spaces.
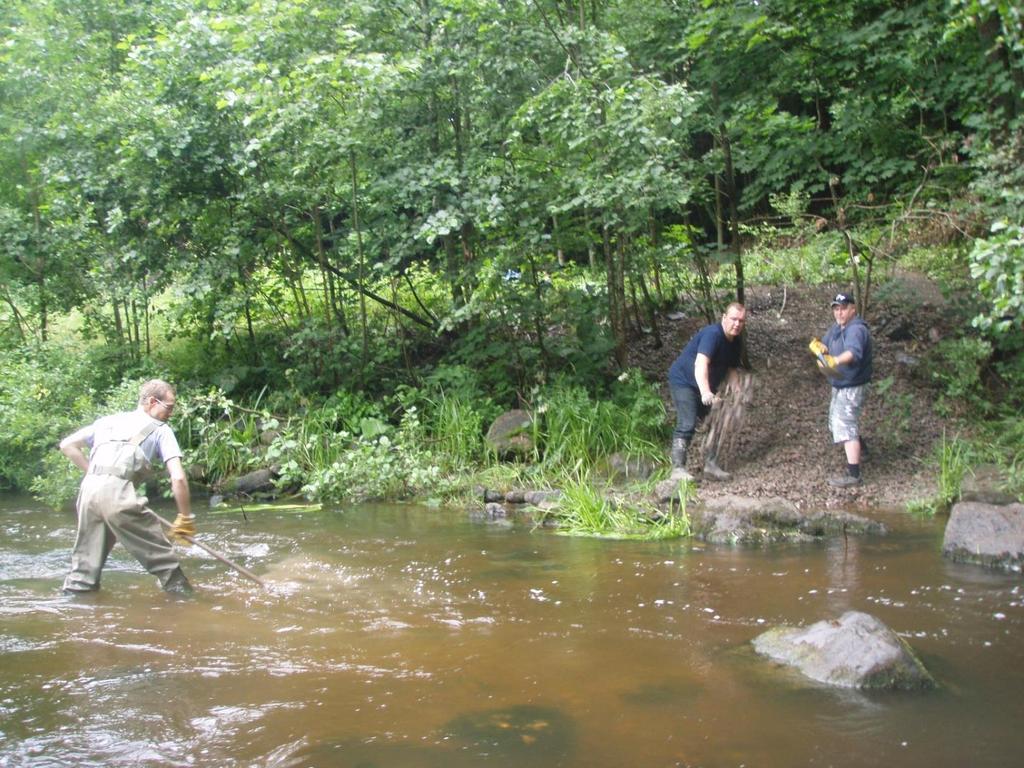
{"x":745,"y":520}
{"x":544,"y":735}
{"x":506,"y":505}
{"x":543,"y":499}
{"x":857,"y":651}
{"x":986,"y":534}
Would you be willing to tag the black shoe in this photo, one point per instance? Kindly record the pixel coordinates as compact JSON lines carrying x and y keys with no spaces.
{"x":844,"y":481}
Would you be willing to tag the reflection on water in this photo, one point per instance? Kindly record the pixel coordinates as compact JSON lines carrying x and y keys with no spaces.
{"x":404,"y":636}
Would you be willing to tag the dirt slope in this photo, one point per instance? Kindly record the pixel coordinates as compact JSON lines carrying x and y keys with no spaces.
{"x":785,"y":449}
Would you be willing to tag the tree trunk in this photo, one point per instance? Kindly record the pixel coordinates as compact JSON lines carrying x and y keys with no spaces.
{"x":538,"y":313}
{"x":652,"y":310}
{"x":557,"y":236}
{"x":725,"y":187}
{"x":616,"y":297}
{"x":364,"y":326}
{"x":43,"y":319}
{"x":734,"y":218}
{"x":15,"y":316}
{"x":321,"y":258}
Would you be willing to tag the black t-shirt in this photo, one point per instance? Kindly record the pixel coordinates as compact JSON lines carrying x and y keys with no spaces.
{"x":712,"y":342}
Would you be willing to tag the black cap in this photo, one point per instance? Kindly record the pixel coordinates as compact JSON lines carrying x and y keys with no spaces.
{"x":842,"y":298}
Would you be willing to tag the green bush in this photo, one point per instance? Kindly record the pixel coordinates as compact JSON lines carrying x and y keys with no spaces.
{"x":42,"y":399}
{"x":1001,"y":442}
{"x":386,"y":466}
{"x":42,"y":469}
{"x":957,"y":366}
{"x":997,"y":264}
{"x":218,"y":436}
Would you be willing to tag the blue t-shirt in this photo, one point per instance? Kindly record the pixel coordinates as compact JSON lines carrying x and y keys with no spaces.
{"x":711,"y":341}
{"x":856,"y":338}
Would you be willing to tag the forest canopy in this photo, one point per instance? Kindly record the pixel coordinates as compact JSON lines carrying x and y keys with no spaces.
{"x":317,"y":194}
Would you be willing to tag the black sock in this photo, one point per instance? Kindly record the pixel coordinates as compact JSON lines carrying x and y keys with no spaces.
{"x":853,"y":470}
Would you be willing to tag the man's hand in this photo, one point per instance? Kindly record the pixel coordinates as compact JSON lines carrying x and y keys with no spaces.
{"x":183,"y":526}
{"x":827,"y":362}
{"x":708,"y":398}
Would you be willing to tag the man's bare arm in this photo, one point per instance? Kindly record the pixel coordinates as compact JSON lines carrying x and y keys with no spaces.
{"x":701,"y":368}
{"x":179,"y":486}
{"x":75,"y":451}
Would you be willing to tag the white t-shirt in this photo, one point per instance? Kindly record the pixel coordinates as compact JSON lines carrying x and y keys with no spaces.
{"x":161,"y":442}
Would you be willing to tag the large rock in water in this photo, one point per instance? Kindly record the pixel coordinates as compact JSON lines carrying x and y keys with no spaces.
{"x":986,"y":534}
{"x":257,"y":481}
{"x":857,"y":651}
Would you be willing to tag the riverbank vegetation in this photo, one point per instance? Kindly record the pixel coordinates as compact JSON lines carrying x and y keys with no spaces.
{"x":352,"y":235}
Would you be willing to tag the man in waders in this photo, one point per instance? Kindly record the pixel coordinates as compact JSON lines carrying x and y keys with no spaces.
{"x":109,"y":508}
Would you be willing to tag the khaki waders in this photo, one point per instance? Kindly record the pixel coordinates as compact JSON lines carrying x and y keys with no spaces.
{"x":110,"y":511}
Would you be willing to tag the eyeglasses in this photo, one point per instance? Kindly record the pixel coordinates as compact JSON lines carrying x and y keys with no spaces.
{"x":168,"y":406}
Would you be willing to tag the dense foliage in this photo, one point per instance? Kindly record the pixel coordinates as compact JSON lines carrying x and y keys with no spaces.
{"x":317,"y":206}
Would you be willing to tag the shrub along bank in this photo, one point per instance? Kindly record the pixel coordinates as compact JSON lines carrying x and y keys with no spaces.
{"x":427,"y":442}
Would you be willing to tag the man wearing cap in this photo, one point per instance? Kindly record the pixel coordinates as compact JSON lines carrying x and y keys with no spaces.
{"x":845,"y":356}
{"x":709,"y":358}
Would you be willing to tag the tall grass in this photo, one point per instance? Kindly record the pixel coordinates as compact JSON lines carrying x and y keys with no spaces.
{"x":574,"y":431}
{"x":952,"y":467}
{"x":586,"y":509}
{"x":455,"y":426}
{"x":953,"y":459}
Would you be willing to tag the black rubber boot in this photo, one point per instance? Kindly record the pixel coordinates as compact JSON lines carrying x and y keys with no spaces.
{"x":176,"y":583}
{"x":712,"y":470}
{"x":678,"y":454}
{"x":679,"y":446}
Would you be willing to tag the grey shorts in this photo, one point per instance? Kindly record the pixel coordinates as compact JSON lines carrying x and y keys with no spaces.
{"x":844,"y":413}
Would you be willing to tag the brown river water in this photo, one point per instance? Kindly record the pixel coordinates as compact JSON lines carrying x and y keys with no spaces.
{"x":406,"y":636}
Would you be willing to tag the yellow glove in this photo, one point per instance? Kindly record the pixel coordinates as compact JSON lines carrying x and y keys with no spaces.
{"x":826,"y":362}
{"x":183,"y":526}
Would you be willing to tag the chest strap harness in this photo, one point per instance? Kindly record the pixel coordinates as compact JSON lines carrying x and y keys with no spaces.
{"x":125,"y":473}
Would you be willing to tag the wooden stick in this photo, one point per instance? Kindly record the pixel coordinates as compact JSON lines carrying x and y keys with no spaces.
{"x":244,"y":571}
